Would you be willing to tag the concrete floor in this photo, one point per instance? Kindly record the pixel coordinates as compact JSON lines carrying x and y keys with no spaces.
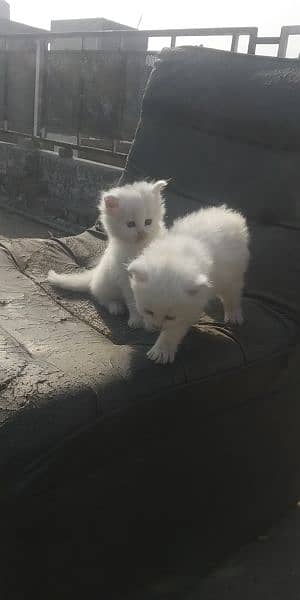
{"x":267,"y":569}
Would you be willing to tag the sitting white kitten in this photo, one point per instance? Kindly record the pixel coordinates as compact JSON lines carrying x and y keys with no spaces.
{"x":203,"y":255}
{"x":132,"y":216}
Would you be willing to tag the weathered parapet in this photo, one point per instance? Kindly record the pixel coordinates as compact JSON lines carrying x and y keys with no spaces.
{"x":52,"y":185}
{"x":73,"y":186}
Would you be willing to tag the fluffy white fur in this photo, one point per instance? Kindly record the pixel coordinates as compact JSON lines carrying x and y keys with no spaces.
{"x":203,"y":255}
{"x":132,"y":216}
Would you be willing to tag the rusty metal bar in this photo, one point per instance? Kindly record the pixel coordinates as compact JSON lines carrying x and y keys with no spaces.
{"x":214,"y":31}
{"x":268,"y":40}
{"x":173,"y":41}
{"x":283,"y":44}
{"x":284,"y":38}
{"x":80,"y":93}
{"x":37,"y":88}
{"x":5,"y":91}
{"x":252,"y":42}
{"x":235,"y":42}
{"x":44,"y":94}
{"x":87,"y":152}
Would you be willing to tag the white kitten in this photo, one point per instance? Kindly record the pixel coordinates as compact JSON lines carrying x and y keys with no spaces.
{"x":203,"y":255}
{"x":132,"y":216}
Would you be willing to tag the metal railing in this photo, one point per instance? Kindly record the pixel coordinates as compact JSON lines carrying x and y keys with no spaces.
{"x":125,"y":52}
{"x":125,"y":34}
{"x":284,"y":38}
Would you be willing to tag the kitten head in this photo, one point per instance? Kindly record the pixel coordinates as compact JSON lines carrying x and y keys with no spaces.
{"x":135,"y":212}
{"x":168,"y":291}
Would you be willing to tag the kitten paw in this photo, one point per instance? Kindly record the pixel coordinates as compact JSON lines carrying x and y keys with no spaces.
{"x":116,"y":308}
{"x":235,"y":317}
{"x":135,"y":322}
{"x":161,"y":355}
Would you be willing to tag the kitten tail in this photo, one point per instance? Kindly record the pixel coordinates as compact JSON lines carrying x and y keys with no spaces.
{"x":76,"y":282}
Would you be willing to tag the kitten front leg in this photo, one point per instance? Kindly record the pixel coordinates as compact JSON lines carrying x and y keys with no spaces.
{"x":231,"y":299}
{"x":135,"y":320}
{"x":116,"y":307}
{"x":165,"y":348}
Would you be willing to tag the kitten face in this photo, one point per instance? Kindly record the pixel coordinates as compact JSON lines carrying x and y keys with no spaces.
{"x":168,"y":296}
{"x":159,"y":316}
{"x":134,"y":213}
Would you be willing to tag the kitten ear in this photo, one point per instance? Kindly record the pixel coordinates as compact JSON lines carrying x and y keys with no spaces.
{"x":111,"y":203}
{"x":200,"y":283}
{"x":159,"y":186}
{"x":137,"y":271}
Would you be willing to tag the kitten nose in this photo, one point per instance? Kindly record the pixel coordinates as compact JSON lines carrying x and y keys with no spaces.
{"x":141,"y":235}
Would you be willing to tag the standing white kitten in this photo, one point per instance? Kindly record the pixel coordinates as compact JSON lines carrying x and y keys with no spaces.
{"x":203,"y":255}
{"x":132,"y":216}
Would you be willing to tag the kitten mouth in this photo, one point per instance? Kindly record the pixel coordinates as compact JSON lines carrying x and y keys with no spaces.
{"x":141,"y":236}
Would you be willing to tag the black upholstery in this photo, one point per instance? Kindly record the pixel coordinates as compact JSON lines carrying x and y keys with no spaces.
{"x":211,"y":442}
{"x":224,"y":128}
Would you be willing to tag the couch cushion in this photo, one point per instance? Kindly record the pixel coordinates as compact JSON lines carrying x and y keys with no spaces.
{"x":274,"y":272}
{"x":206,"y":168}
{"x":241,"y":96}
{"x":224,"y":128}
{"x":67,"y":365}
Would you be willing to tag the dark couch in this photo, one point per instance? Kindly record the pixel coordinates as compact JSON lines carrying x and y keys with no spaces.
{"x":210,"y":444}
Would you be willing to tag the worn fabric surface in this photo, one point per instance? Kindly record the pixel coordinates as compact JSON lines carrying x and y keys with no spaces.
{"x":228,"y":94}
{"x":70,"y":358}
{"x":223,"y":128}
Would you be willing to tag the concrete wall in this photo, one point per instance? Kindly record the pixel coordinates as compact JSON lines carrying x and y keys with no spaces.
{"x":109,"y":42}
{"x":47,"y":185}
{"x":13,"y":27}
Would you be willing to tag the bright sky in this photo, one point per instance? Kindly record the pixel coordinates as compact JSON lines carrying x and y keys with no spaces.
{"x":268,"y":15}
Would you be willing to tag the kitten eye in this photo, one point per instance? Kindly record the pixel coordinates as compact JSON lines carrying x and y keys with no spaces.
{"x":131,"y":224}
{"x":148,"y":222}
{"x":168,"y":318}
{"x":149,"y":312}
